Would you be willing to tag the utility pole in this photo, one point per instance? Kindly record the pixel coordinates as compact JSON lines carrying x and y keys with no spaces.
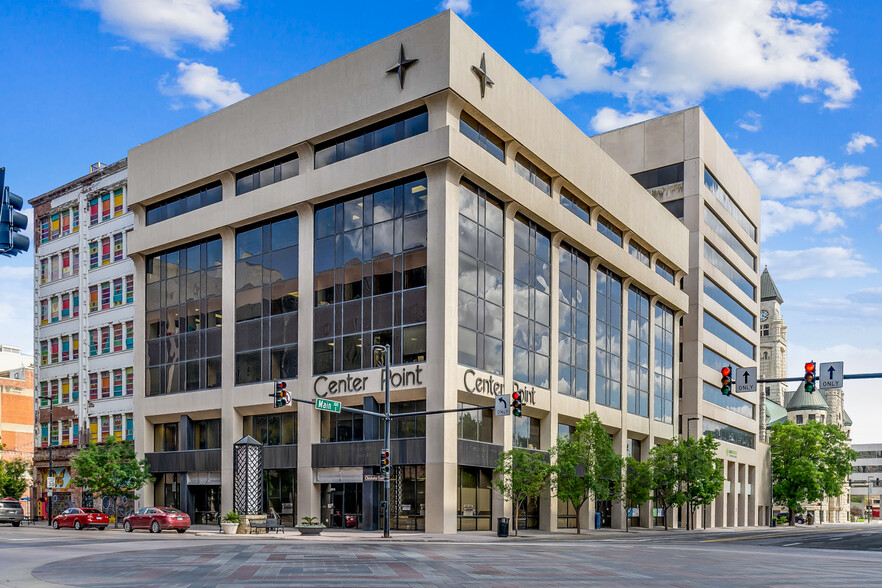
{"x":387,"y":351}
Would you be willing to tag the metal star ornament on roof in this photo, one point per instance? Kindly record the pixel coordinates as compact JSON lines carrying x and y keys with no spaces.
{"x":401,"y":67}
{"x":481,"y":72}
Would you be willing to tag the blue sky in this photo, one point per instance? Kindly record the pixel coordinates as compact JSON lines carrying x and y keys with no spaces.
{"x":792,"y":85}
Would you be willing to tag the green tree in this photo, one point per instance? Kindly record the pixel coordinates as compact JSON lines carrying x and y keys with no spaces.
{"x":111,"y":469}
{"x":13,"y":476}
{"x":808,"y":462}
{"x":702,"y":473}
{"x":521,"y":475}
{"x":586,"y":465}
{"x":637,"y":485}
{"x":664,"y":463}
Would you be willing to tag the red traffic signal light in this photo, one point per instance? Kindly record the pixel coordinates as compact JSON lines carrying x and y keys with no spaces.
{"x":384,"y":461}
{"x":516,"y":403}
{"x":810,"y":376}
{"x":725,"y":381}
{"x":280,"y":395}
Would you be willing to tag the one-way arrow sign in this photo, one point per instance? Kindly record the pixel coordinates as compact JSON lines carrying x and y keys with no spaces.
{"x":830,"y":375}
{"x":745,"y":380}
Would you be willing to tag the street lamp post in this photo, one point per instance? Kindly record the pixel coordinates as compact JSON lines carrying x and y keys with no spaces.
{"x":49,"y":473}
{"x":387,"y":351}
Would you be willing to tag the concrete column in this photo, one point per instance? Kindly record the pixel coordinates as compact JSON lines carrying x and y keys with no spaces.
{"x":742,"y":495}
{"x":732,"y":498}
{"x":548,"y":425}
{"x":308,"y":419}
{"x":441,"y":346}
{"x":752,"y":514}
{"x":228,"y":364}
{"x":143,"y":430}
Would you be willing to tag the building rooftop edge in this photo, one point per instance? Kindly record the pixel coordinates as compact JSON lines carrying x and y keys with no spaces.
{"x":108,"y":169}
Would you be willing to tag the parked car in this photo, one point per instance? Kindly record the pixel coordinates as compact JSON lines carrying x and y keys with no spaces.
{"x":157,"y":519}
{"x":799,"y":519}
{"x":80,"y":518}
{"x":11,"y":512}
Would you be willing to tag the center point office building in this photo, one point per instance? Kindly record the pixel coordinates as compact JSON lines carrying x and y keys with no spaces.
{"x":419,"y":193}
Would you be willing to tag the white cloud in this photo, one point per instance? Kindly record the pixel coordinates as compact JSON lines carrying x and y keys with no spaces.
{"x":811,"y":180}
{"x":671,"y":53}
{"x":461,"y":7}
{"x":859,"y":143}
{"x":751,"y":121}
{"x":165,"y":25}
{"x":879,"y":229}
{"x":608,"y":119}
{"x":205,"y":85}
{"x":826,"y":263}
{"x":778,"y":218}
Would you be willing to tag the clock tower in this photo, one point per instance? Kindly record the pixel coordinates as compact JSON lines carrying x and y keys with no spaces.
{"x":773,"y":340}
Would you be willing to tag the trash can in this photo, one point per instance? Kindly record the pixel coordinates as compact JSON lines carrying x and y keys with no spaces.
{"x":597,"y":520}
{"x":502,"y":527}
{"x":774,"y":523}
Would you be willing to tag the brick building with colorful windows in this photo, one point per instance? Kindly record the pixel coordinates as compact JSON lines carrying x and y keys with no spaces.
{"x":83,"y":331}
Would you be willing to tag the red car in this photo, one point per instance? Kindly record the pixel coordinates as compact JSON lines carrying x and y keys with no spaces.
{"x":157,"y":519}
{"x":80,"y":518}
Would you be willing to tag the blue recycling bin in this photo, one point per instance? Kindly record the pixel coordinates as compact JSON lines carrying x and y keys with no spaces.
{"x":597,"y":520}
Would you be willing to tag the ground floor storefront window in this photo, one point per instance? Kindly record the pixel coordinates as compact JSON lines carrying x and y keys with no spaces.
{"x":167,"y":490}
{"x":206,"y":504}
{"x":280,"y":494}
{"x":528,"y":514}
{"x":341,"y":505}
{"x":408,"y":494}
{"x":474,"y":499}
{"x":566,"y":515}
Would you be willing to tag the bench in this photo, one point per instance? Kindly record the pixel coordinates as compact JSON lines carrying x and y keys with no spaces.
{"x":269,"y":523}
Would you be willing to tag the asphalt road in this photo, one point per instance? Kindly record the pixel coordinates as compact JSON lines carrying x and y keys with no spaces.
{"x":752,"y":557}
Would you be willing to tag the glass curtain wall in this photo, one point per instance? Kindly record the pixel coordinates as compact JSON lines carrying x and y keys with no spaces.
{"x":573,"y":334}
{"x":532,"y":303}
{"x":663,"y":384}
{"x":638,"y":352}
{"x":370,"y":277}
{"x":267,"y":264}
{"x":481,"y":247}
{"x":183,"y":319}
{"x":608,"y":379}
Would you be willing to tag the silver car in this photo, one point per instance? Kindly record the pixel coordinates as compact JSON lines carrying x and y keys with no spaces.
{"x":10,"y":512}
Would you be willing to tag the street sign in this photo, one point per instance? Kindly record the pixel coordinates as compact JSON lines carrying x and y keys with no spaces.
{"x":374,"y":477}
{"x":50,"y":481}
{"x":327,"y":405}
{"x":745,"y":380}
{"x":830,"y":375}
{"x":503,"y":405}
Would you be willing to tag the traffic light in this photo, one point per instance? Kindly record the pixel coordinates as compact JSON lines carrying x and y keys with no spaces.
{"x":384,"y":462}
{"x":516,"y":403}
{"x":11,"y":221}
{"x":810,"y":377}
{"x":280,"y":395}
{"x":725,"y":380}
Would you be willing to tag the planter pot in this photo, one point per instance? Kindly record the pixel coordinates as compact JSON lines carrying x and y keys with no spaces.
{"x":310,"y":529}
{"x":229,"y":528}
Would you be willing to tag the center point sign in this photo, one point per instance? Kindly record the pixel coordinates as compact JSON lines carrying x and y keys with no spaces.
{"x":367,"y":382}
{"x":490,"y":385}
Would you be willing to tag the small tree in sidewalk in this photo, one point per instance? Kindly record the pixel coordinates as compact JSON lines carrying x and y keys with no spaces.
{"x":111,"y":469}
{"x":521,"y":475}
{"x":637,"y":486}
{"x":703,"y":476}
{"x":586,"y":465}
{"x":664,"y":462}
{"x":13,"y":476}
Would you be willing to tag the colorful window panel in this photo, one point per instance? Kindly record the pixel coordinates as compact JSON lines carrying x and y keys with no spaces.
{"x":105,"y":384}
{"x":105,"y":295}
{"x":53,"y":304}
{"x":105,"y":250}
{"x":44,"y":352}
{"x":117,"y":337}
{"x":117,"y":291}
{"x":53,"y":391}
{"x":75,"y":305}
{"x":44,"y":271}
{"x":44,"y":435}
{"x":76,"y":260}
{"x":44,"y":393}
{"x":65,"y":264}
{"x":76,"y":221}
{"x":44,"y":312}
{"x":105,"y":340}
{"x":76,"y":434}
{"x":130,"y":289}
{"x":75,"y":389}
{"x":93,"y":254}
{"x":65,"y":306}
{"x":105,"y":427}
{"x":54,"y":440}
{"x":130,"y":381}
{"x":118,"y":202}
{"x":117,"y":247}
{"x":93,"y":298}
{"x":44,"y":231}
{"x":105,"y":207}
{"x":56,"y":226}
{"x":129,"y":335}
{"x":54,"y":265}
{"x":53,"y":343}
{"x":65,"y":349}
{"x":129,"y":426}
{"x":75,"y":344}
{"x":65,"y":391}
{"x":117,"y":426}
{"x":117,"y":382}
{"x":93,"y":386}
{"x":93,"y":430}
{"x":93,"y":211}
{"x":65,"y":222}
{"x":65,"y":432}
